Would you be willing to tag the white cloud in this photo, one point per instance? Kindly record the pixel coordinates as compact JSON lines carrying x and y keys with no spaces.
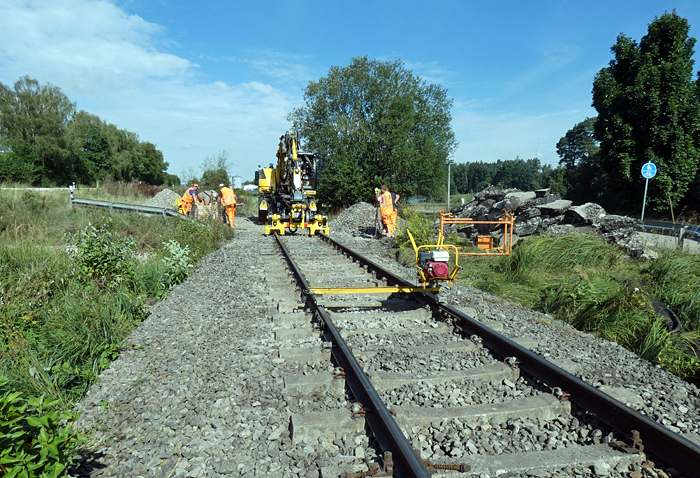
{"x":114,"y":64}
{"x":83,"y":45}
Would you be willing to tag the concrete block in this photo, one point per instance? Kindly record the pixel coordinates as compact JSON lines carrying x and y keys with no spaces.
{"x":355,"y":317}
{"x":544,"y":406}
{"x":290,"y":320}
{"x":494,"y":373}
{"x":289,"y":306}
{"x":441,"y":328}
{"x":526,"y":342}
{"x":493,"y":325}
{"x":572,"y":367}
{"x":305,"y":354}
{"x":293,"y":334}
{"x":461,"y":346}
{"x":309,"y":427}
{"x":315,"y":383}
{"x":624,"y":395}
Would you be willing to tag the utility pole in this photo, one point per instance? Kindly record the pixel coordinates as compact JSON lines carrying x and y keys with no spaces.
{"x":448,"y":185}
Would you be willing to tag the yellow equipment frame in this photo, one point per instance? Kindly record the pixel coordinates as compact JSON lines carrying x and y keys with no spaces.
{"x":448,"y":247}
{"x":372,"y":290}
{"x":507,"y":223}
{"x":275,"y":223}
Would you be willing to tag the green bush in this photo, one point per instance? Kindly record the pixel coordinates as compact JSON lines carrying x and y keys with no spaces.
{"x":420,"y":227}
{"x":104,"y":255}
{"x":36,"y":438}
{"x":177,"y":264}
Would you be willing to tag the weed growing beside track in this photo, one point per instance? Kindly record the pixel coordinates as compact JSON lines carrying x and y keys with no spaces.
{"x":594,"y":286}
{"x":73,"y":285}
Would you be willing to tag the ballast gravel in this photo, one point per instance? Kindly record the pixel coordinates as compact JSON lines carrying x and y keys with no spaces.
{"x":198,"y":389}
{"x":165,"y":198}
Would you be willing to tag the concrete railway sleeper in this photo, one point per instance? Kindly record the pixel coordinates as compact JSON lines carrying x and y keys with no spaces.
{"x":438,"y":383}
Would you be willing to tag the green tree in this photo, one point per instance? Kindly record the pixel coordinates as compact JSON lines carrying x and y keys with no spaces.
{"x":33,"y":120}
{"x":88,"y":141}
{"x":374,"y":123}
{"x":578,"y":152}
{"x":150,"y":164}
{"x":578,"y":145}
{"x":518,"y":173}
{"x":649,"y":110}
{"x":215,"y":171}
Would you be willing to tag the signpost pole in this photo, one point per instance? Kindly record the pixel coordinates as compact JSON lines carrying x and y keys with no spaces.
{"x":645,"y":198}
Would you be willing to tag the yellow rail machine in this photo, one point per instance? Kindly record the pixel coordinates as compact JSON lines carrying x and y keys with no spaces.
{"x":287,"y":193}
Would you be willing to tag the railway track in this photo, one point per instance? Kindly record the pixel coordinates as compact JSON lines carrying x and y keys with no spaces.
{"x":427,"y":389}
{"x":230,"y":376}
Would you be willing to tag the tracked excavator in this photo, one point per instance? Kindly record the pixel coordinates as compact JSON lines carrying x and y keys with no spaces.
{"x":287,"y":193}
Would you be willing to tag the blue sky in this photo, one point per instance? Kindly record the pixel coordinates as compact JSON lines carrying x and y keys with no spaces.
{"x":198,"y":78}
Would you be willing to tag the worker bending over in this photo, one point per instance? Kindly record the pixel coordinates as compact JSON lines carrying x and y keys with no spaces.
{"x":387,"y":206}
{"x":227,"y":198}
{"x":189,"y":208}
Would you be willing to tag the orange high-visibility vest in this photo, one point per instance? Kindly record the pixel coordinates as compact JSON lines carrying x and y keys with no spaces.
{"x":387,"y":203}
{"x":189,"y":195}
{"x":228,"y":197}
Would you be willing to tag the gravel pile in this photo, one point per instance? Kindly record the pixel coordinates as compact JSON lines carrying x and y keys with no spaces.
{"x":198,"y":390}
{"x":165,"y":198}
{"x":357,"y":220}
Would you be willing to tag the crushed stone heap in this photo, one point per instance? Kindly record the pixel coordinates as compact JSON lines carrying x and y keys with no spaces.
{"x":166,"y":198}
{"x":358,"y":219}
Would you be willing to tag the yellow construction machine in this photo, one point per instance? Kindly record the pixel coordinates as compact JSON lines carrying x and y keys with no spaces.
{"x":287,"y":193}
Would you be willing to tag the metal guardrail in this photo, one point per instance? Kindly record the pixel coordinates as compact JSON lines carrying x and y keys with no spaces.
{"x":669,"y":229}
{"x":117,"y":206}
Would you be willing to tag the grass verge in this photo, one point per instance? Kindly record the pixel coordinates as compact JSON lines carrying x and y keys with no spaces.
{"x":73,"y":285}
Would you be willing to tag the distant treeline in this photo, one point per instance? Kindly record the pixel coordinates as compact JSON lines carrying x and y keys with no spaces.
{"x":526,"y":175}
{"x":45,"y":140}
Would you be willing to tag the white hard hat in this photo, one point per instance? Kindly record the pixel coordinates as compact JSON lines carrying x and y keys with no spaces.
{"x":221,"y":186}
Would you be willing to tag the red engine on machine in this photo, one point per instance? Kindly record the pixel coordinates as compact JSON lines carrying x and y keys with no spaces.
{"x":437,"y":270}
{"x":434,"y":263}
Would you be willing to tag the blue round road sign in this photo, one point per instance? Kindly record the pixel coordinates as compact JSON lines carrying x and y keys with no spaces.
{"x":649,"y":170}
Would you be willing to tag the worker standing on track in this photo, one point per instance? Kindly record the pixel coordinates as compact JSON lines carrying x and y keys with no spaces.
{"x":387,"y":206}
{"x":189,"y":199}
{"x":227,"y":198}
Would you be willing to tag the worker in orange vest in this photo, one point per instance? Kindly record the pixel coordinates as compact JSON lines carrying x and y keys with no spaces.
{"x":387,"y":206}
{"x":227,"y":198}
{"x":189,"y":199}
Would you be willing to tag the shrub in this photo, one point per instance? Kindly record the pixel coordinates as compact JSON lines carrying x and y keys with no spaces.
{"x":177,"y":264}
{"x":36,"y":438}
{"x":103,"y":255}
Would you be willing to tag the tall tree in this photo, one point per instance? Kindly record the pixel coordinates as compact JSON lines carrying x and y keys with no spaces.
{"x":649,"y":110}
{"x":374,"y":123}
{"x":578,"y":151}
{"x":87,"y":138}
{"x":33,"y":119}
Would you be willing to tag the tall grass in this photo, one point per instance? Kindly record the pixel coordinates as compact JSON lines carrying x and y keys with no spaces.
{"x":677,"y":278}
{"x":66,"y":303}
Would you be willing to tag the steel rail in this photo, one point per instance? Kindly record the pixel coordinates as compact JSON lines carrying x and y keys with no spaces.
{"x":387,"y":433}
{"x":679,"y":452}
